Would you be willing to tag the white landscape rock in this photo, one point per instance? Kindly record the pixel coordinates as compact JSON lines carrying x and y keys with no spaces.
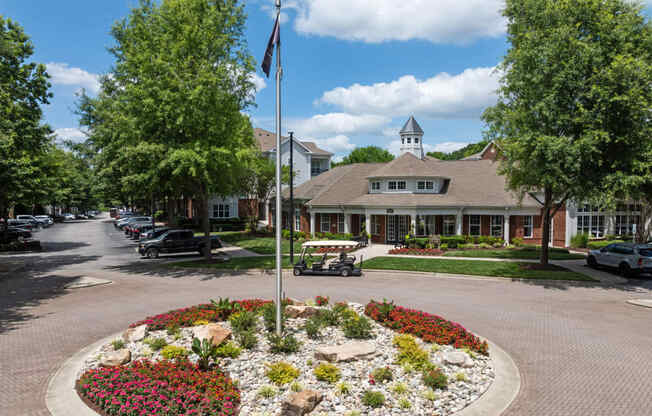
{"x":351,"y":351}
{"x":458,"y":358}
{"x":116,"y":358}
{"x":135,"y":334}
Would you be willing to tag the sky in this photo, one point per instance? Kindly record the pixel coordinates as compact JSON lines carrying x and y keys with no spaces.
{"x":354,"y":70}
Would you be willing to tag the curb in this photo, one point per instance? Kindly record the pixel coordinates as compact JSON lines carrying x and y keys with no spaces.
{"x":645,"y":303}
{"x":62,"y":399}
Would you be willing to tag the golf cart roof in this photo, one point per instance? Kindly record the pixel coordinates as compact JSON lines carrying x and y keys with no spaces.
{"x":330,"y":243}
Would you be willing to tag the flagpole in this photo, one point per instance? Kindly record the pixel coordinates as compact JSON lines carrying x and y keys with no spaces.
{"x":279,"y":276}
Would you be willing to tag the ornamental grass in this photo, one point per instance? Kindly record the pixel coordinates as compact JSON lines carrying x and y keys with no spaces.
{"x":160,"y":388}
{"x":428,"y":327}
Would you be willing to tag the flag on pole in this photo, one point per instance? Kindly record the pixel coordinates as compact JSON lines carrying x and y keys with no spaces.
{"x":274,"y":39}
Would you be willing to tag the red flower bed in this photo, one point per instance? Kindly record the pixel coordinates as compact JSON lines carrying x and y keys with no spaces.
{"x":428,"y":327}
{"x":417,"y":251}
{"x":322,"y":300}
{"x":160,"y":388}
{"x":187,"y":316}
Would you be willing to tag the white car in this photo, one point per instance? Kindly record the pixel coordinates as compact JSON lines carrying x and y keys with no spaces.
{"x":45,"y":219}
{"x":628,"y":258}
{"x":68,"y":217}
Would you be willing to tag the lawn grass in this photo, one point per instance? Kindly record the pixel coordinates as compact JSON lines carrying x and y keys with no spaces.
{"x":257,"y":244}
{"x":472,"y":267}
{"x":514,"y":253}
{"x":236,"y":263}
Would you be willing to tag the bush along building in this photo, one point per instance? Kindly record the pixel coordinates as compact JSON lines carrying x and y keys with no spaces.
{"x":423,"y":196}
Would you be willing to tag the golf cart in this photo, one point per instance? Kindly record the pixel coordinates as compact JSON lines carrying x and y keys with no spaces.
{"x":343,"y":265}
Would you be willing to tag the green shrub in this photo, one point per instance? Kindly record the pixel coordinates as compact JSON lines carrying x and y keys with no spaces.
{"x":327,"y":372}
{"x":309,"y":362}
{"x":460,"y":377}
{"x":283,"y":343}
{"x":443,"y":246}
{"x":579,"y":240}
{"x":155,"y":343}
{"x":313,"y":328}
{"x":343,"y":389}
{"x":118,"y":344}
{"x":429,"y":395}
{"x":328,"y":317}
{"x":382,"y":374}
{"x":173,"y":330}
{"x":267,"y":392}
{"x":201,"y":322}
{"x":247,"y":339}
{"x":373,"y":399}
{"x":243,"y":321}
{"x":173,"y":352}
{"x":596,"y":245}
{"x":409,"y":352}
{"x":517,"y":241}
{"x":281,"y":373}
{"x":384,"y":309}
{"x":400,"y":388}
{"x":435,"y":379}
{"x":228,"y":349}
{"x":471,"y":353}
{"x":205,"y":350}
{"x":296,"y":387}
{"x":269,"y":316}
{"x":404,"y":403}
{"x":358,"y":327}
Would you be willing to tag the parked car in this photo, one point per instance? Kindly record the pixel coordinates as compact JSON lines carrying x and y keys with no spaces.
{"x":133,"y":229}
{"x":122,"y":223}
{"x":175,"y":241}
{"x":31,"y":219}
{"x":628,"y":258}
{"x":15,"y":232}
{"x":45,"y":219}
{"x":151,"y":234}
{"x":68,"y":217}
{"x":27,"y":225}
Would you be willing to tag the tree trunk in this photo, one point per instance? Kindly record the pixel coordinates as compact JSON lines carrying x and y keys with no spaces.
{"x":206,"y":225}
{"x":545,"y":237}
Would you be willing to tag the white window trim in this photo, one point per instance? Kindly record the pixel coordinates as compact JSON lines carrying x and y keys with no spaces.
{"x":530,"y":226}
{"x":340,"y":223}
{"x":493,"y":225}
{"x":297,"y":219}
{"x":479,"y":225}
{"x":326,"y":217}
{"x":224,"y":208}
{"x":447,"y":221}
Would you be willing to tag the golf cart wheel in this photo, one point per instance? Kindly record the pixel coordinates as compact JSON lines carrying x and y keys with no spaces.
{"x":152,"y":253}
{"x":297,"y":272}
{"x":625,"y":270}
{"x":592,"y":262}
{"x":345,"y":272}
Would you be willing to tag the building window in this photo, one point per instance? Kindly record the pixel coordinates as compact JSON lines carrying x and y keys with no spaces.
{"x":416,"y":141}
{"x":221,"y":211}
{"x":340,"y":223}
{"x":591,"y":221}
{"x":496,"y":226}
{"x":624,"y":224}
{"x":402,"y":141}
{"x":325,"y":220}
{"x":297,"y":219}
{"x":375,"y":186}
{"x":425,"y":185}
{"x":527,"y":226}
{"x":401,"y":185}
{"x":375,"y":225}
{"x":449,"y":224}
{"x":391,"y":185}
{"x":475,"y":225}
{"x":409,"y":140}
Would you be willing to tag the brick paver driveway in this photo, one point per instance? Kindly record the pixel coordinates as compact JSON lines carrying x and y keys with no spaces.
{"x":581,"y":349}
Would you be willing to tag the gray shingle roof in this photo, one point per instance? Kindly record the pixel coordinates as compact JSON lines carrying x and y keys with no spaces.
{"x":411,"y":126}
{"x":267,"y":141}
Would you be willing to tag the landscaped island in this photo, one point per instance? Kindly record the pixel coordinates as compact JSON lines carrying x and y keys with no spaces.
{"x":224,"y":358}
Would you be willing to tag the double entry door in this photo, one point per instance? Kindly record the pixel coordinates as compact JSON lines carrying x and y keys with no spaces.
{"x":397,"y":227}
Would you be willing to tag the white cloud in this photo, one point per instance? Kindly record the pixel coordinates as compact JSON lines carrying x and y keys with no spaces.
{"x":258,"y":81}
{"x":374,"y":21}
{"x":448,"y":147}
{"x":336,"y":144}
{"x":337,"y":123}
{"x":62,"y":74}
{"x":464,"y":95}
{"x":70,"y":133}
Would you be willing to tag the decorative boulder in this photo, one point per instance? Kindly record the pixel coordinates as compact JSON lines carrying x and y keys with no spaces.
{"x":215,"y":332}
{"x":116,"y":358}
{"x":351,"y":351}
{"x":302,"y":403}
{"x":459,"y":358}
{"x":135,"y":334}
{"x":296,"y":302}
{"x":293,"y":311}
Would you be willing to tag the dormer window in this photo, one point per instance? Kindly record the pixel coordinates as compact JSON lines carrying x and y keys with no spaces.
{"x":391,"y":185}
{"x":416,"y":140}
{"x":375,"y":186}
{"x":402,"y":185}
{"x":425,"y":185}
{"x":409,"y":140}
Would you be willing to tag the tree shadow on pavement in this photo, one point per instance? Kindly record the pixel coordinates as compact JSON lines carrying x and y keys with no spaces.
{"x":159,"y":269}
{"x":50,"y":247}
{"x":28,"y":283}
{"x":641,"y":284}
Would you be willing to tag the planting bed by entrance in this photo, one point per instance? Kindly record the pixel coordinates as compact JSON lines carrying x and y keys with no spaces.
{"x":224,"y":358}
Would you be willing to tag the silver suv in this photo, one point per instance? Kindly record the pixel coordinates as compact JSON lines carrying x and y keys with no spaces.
{"x":628,"y":258}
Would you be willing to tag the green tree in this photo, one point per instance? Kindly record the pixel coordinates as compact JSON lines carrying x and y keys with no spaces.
{"x":367,"y":154}
{"x":181,"y":79}
{"x":574,"y":100}
{"x":23,"y":138}
{"x":468,"y":150}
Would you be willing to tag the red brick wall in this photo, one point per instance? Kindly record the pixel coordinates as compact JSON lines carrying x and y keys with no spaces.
{"x":558,"y":233}
{"x":305,"y":220}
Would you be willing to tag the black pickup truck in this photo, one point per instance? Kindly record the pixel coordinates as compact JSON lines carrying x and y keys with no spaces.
{"x":175,"y":241}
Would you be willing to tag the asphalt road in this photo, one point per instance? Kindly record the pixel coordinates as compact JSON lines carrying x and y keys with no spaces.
{"x":580,"y":348}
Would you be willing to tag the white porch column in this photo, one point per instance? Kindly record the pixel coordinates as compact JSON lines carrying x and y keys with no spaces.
{"x":347,"y":223}
{"x":312,"y":224}
{"x":506,"y":229}
{"x":367,"y":226}
{"x":458,"y":222}
{"x":413,"y":223}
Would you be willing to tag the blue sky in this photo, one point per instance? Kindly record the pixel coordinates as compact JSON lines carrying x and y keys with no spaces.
{"x":354,"y":70}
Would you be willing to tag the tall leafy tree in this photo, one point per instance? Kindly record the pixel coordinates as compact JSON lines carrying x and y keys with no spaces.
{"x":181,"y":79}
{"x":574,"y":98}
{"x":23,"y":138}
{"x":468,"y":150}
{"x":367,"y":154}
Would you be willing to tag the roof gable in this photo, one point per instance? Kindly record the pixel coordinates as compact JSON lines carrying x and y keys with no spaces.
{"x":267,"y":142}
